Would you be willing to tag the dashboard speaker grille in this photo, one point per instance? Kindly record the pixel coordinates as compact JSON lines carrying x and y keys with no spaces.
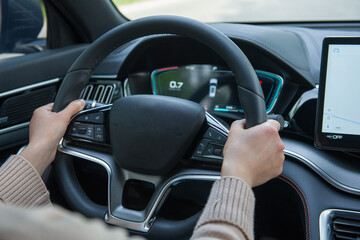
{"x":19,"y":109}
{"x":102,"y":93}
{"x":346,"y":229}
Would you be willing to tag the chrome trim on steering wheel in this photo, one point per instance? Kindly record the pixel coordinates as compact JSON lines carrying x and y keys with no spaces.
{"x":146,"y":225}
{"x":63,"y":149}
{"x":213,"y":122}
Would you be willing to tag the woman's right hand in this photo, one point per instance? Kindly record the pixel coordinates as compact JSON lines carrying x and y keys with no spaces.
{"x":255,"y":155}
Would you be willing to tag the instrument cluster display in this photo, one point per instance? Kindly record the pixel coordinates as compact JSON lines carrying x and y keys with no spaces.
{"x":211,"y":86}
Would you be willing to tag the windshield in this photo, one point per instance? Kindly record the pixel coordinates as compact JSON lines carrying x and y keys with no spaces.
{"x":245,"y":10}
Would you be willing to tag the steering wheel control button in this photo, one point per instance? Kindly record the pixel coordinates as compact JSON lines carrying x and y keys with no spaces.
{"x":74,"y":129}
{"x":99,"y":137}
{"x":199,"y":152}
{"x":213,"y":153}
{"x":203,"y":144}
{"x":218,"y":152}
{"x":90,"y":131}
{"x":95,"y":133}
{"x":84,"y":118}
{"x":82,"y":130}
{"x":99,"y":133}
{"x":97,"y":117}
{"x":221,"y":138}
{"x":99,"y":129}
{"x":211,"y":134}
{"x":92,"y":118}
{"x":209,"y":150}
{"x":215,"y":135}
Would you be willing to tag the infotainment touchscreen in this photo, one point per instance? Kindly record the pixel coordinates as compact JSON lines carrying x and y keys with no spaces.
{"x":338,"y":110}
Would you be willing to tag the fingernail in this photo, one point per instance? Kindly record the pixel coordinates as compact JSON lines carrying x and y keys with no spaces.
{"x":81,"y":102}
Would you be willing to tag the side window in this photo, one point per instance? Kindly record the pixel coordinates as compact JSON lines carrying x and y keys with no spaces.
{"x":22,"y":27}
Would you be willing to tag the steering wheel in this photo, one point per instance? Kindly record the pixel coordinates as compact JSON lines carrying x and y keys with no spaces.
{"x":148,"y":135}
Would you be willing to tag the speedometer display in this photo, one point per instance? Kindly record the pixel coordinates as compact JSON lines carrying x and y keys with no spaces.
{"x":211,"y":86}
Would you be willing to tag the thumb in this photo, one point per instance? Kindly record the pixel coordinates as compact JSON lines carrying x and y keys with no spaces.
{"x":73,"y":108}
{"x":274,"y":123}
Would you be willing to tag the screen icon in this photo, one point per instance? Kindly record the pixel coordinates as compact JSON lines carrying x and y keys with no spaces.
{"x":212,"y":88}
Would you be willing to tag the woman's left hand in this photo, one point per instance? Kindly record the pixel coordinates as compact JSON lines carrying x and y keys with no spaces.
{"x":46,"y":130}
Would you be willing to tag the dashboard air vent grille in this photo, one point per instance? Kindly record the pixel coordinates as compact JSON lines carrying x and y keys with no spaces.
{"x":102,"y":93}
{"x":348,"y":229}
{"x":86,"y":93}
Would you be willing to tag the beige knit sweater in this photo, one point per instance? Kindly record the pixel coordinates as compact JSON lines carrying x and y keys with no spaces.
{"x":26,"y":211}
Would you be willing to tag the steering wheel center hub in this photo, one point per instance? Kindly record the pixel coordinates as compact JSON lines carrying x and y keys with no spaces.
{"x":150,"y":134}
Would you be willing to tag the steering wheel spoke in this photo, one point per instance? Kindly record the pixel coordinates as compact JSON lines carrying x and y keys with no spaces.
{"x":142,"y":220}
{"x":118,"y":212}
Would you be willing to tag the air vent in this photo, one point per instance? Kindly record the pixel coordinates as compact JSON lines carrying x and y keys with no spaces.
{"x":102,"y":93}
{"x":348,"y":229}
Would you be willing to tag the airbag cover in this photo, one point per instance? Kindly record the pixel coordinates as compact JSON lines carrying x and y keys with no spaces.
{"x":150,"y":134}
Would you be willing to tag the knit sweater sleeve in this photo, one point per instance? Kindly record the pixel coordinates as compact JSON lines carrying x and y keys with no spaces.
{"x":229,"y":212}
{"x":21,"y":185}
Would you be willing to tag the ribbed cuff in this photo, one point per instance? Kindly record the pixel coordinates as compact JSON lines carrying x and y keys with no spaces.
{"x":231,"y":201}
{"x":21,"y":185}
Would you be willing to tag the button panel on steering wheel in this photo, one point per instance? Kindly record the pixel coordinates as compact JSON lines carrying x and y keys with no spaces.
{"x":90,"y":126}
{"x":210,"y":147}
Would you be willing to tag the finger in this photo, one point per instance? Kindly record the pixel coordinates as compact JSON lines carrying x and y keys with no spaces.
{"x":274,"y":123}
{"x":73,"y":108}
{"x":42,"y":109}
{"x":48,"y":106}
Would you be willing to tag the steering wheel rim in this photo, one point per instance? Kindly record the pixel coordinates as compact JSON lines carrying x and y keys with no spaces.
{"x":250,"y":92}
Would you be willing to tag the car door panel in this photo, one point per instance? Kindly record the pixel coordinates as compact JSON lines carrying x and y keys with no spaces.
{"x":26,"y":83}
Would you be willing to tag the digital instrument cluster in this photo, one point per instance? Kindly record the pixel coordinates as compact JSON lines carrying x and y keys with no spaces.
{"x":211,"y":86}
